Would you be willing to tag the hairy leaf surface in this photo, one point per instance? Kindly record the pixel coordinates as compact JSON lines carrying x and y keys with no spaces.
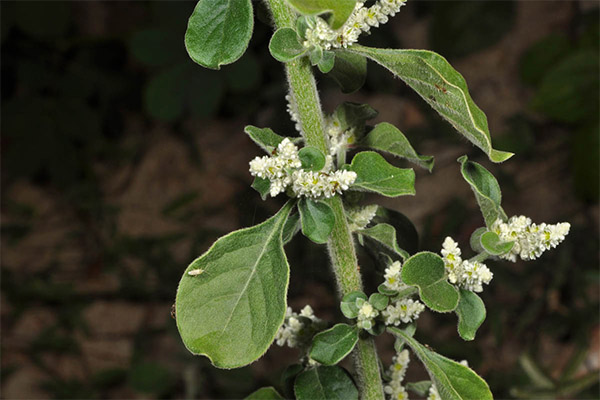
{"x":375,"y":174}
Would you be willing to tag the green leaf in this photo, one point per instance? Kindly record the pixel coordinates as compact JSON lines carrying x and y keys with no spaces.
{"x":318,"y":220}
{"x":348,"y":304}
{"x":492,"y":244}
{"x":262,"y":186}
{"x":426,"y":271}
{"x":442,"y":87}
{"x":245,"y":279}
{"x":486,"y":189}
{"x":453,"y":381}
{"x":325,"y":383}
{"x":386,"y":291}
{"x":379,"y":301}
{"x":354,"y":115}
{"x":266,"y":393}
{"x":333,"y":345}
{"x":219,"y":31}
{"x":410,"y":330}
{"x":341,"y":9}
{"x":315,"y":55}
{"x":312,"y":159}
{"x":291,"y":227}
{"x":349,"y":71}
{"x":288,"y":377}
{"x":386,"y":137}
{"x":471,"y":314}
{"x":327,"y":62}
{"x":285,"y":45}
{"x":265,"y":138}
{"x":375,"y":174}
{"x":386,"y":235}
{"x":475,"y":240}
{"x":406,"y":233}
{"x":421,"y":388}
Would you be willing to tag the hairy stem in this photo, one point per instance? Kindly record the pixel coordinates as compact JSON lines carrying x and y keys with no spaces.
{"x":303,"y":90}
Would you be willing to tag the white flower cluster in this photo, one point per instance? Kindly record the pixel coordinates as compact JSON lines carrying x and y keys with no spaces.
{"x":531,"y":240}
{"x":339,"y":139}
{"x":283,"y":170}
{"x":297,"y":331}
{"x":393,"y":281}
{"x":359,"y":217}
{"x":361,"y":20}
{"x":394,"y":389}
{"x":466,"y":274}
{"x":405,"y":310}
{"x":366,"y":314}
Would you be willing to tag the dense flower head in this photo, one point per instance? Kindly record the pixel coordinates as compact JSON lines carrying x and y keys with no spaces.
{"x":283,"y":170}
{"x":393,"y":281}
{"x":402,"y":311}
{"x":366,"y":314}
{"x":298,"y":329}
{"x":470,"y":275}
{"x":394,"y":389}
{"x":361,"y":20}
{"x":531,"y":239}
{"x":360,"y":217}
{"x":338,"y":138}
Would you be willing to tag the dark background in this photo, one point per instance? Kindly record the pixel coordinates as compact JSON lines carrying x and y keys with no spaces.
{"x":122,"y":161}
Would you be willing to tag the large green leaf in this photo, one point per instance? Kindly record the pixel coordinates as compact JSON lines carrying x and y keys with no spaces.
{"x":341,"y":9}
{"x":333,"y":345}
{"x":442,"y":87}
{"x":219,"y":31}
{"x":375,"y":174}
{"x":386,"y":137}
{"x":453,"y":381}
{"x":325,"y":383}
{"x":285,"y":45}
{"x":349,"y":71}
{"x":471,"y":314}
{"x":426,"y":271}
{"x":245,"y":277}
{"x":318,"y":219}
{"x":486,"y":189}
{"x":386,"y":235}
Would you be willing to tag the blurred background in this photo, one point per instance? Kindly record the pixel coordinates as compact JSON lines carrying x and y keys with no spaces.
{"x":122,"y":161}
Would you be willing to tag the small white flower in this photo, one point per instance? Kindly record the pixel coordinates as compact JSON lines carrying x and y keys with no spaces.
{"x":393,"y":281}
{"x":405,"y":311}
{"x":294,"y":332}
{"x":360,"y":217}
{"x":470,"y":275}
{"x":366,"y":314}
{"x":433,"y":393}
{"x":394,"y":389}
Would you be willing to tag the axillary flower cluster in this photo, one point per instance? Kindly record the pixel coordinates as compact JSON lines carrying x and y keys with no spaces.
{"x":361,"y":20}
{"x":298,"y":329}
{"x":466,"y":274}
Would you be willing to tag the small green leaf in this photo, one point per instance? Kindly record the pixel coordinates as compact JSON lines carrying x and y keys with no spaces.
{"x":333,"y":345}
{"x":245,"y":278}
{"x":421,"y":388}
{"x":262,"y":186}
{"x":265,"y":138}
{"x":386,"y":291}
{"x":486,"y":189}
{"x":375,"y":174}
{"x":285,"y":45}
{"x":426,"y":271}
{"x":341,"y":9}
{"x":442,"y":87}
{"x":327,"y":62}
{"x":266,"y":393}
{"x":475,"y":240}
{"x":219,"y":31}
{"x":325,"y":383}
{"x":291,"y":227}
{"x":312,"y":159}
{"x":453,"y":381}
{"x":386,"y":137}
{"x":315,"y":55}
{"x":492,"y":244}
{"x":318,"y":220}
{"x":348,"y":304}
{"x":406,"y":233}
{"x":349,"y":71}
{"x":379,"y":301}
{"x":471,"y":314}
{"x":386,"y":235}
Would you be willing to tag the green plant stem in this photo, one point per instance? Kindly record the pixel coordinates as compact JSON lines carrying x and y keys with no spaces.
{"x":303,"y":90}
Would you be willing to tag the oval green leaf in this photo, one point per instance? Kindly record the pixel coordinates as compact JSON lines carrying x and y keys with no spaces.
{"x":454,"y":381}
{"x":312,"y":159}
{"x":219,"y":31}
{"x":245,"y":279}
{"x":340,"y":9}
{"x":386,"y":137}
{"x":375,"y":174}
{"x":325,"y":383}
{"x":285,"y":45}
{"x":426,"y":271}
{"x":291,"y":227}
{"x":333,"y":345}
{"x":348,"y":304}
{"x":486,"y":189}
{"x":471,"y":314}
{"x":386,"y":235}
{"x":475,"y":240}
{"x":492,"y":244}
{"x":379,"y":301}
{"x":262,"y":186}
{"x":327,"y":62}
{"x":317,"y":218}
{"x":349,"y":71}
{"x":442,"y":87}
{"x":266,"y":393}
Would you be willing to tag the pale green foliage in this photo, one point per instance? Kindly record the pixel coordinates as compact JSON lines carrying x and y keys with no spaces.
{"x":317,"y":220}
{"x":471,"y":314}
{"x":349,"y":71}
{"x":375,"y":174}
{"x":333,"y":345}
{"x":386,"y":235}
{"x":325,"y":383}
{"x":266,"y":393}
{"x":285,"y":45}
